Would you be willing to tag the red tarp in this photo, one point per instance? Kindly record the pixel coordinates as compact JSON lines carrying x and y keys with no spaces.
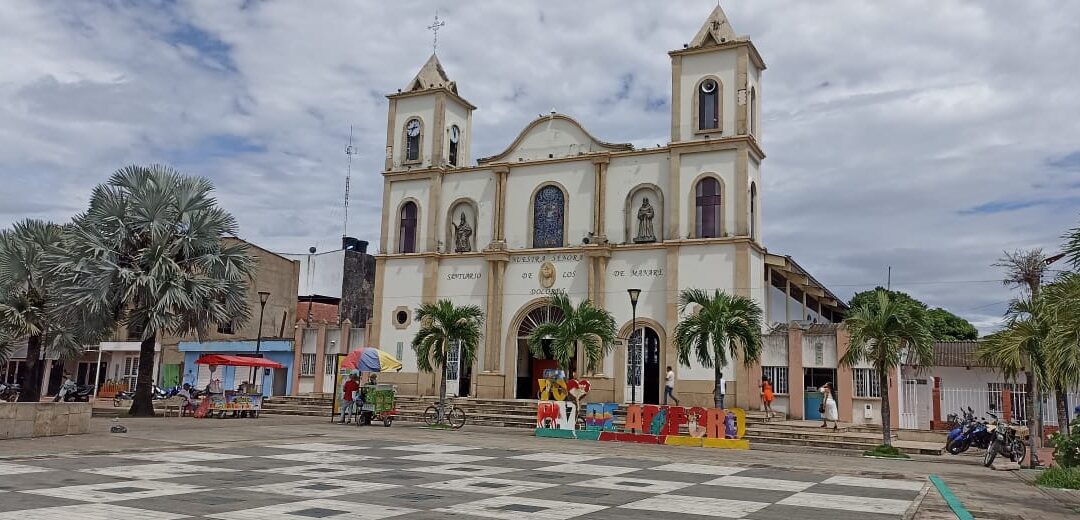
{"x":236,"y":361}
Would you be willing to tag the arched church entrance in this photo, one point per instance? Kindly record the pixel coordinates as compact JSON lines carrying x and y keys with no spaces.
{"x":529,"y":369}
{"x":644,"y":375}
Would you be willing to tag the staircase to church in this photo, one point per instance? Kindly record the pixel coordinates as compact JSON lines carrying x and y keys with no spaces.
{"x":509,"y":413}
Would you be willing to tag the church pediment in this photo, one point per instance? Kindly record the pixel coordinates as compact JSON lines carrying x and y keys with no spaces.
{"x":551,"y":137}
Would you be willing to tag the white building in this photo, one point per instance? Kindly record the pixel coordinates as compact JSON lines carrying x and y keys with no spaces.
{"x":560,"y":210}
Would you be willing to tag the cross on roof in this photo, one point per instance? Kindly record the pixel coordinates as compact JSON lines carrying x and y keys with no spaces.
{"x":434,"y":27}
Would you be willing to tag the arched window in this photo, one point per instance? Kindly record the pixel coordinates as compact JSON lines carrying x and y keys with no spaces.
{"x":753,"y":210}
{"x":407,"y":231}
{"x":549,"y":210}
{"x":707,"y":202}
{"x":709,"y":105}
{"x":413,"y":129}
{"x":751,"y":121}
{"x":455,"y":137}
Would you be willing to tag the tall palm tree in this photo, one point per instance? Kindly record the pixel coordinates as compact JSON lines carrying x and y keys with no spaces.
{"x":585,"y":325}
{"x":719,"y":327}
{"x":29,"y":301}
{"x":1025,"y":269}
{"x":1062,"y":346}
{"x":444,"y":326}
{"x":148,"y":254}
{"x":884,"y":333}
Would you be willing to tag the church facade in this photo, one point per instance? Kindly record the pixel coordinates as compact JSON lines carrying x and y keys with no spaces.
{"x":562,"y":211}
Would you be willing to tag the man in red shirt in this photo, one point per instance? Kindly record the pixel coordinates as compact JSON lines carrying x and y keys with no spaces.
{"x":348,"y":398}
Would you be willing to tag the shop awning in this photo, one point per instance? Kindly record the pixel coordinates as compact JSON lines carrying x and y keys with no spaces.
{"x":237,"y":361}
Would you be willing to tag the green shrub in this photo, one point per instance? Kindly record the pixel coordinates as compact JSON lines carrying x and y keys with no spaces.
{"x":1067,"y":448}
{"x":1059,"y":477}
{"x":885,"y":451}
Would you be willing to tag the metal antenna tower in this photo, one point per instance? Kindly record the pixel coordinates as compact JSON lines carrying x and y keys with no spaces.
{"x":350,"y":151}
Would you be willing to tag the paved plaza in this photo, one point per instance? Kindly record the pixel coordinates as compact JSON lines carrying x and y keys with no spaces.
{"x":237,"y":470}
{"x":374,"y":479}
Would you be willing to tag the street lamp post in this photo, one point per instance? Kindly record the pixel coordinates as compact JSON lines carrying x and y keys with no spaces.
{"x":634,"y":294}
{"x":263,"y":297}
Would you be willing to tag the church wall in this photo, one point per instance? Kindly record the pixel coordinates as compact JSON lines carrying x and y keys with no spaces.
{"x":757,"y":279}
{"x":720,"y":163}
{"x":478,"y":187}
{"x":399,"y":192}
{"x":554,"y":138}
{"x":694,"y":68}
{"x":645,"y":270}
{"x":403,"y":287}
{"x":575,"y":177}
{"x":707,"y":267}
{"x":407,"y":108}
{"x":623,"y":175}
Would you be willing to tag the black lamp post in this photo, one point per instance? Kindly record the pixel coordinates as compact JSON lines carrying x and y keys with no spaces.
{"x":263,"y":297}
{"x":634,"y":294}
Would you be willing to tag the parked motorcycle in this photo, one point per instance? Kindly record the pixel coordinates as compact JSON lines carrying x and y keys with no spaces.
{"x":70,"y":392}
{"x":970,"y":432}
{"x":9,"y":393}
{"x":156,"y":394}
{"x":1007,"y":441}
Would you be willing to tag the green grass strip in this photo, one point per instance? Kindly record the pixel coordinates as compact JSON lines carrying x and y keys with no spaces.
{"x":954,"y":503}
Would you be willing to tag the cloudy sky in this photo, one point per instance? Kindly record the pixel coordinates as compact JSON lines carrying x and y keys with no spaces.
{"x":928,"y":135}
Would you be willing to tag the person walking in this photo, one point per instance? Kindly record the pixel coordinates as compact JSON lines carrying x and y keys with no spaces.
{"x":767,"y":396}
{"x":348,"y":397}
{"x":669,"y":387}
{"x":828,"y":407}
{"x":723,"y":390}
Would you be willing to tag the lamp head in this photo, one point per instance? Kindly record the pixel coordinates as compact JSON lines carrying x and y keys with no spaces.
{"x":263,"y":297}
{"x":634,"y":294}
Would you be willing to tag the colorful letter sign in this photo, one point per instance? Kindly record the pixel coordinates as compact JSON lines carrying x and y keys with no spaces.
{"x":648,"y":424}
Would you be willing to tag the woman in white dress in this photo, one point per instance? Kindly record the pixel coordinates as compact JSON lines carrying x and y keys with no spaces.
{"x":828,"y":404}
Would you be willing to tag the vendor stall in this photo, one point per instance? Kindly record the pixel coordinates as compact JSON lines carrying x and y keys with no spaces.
{"x":245,"y":401}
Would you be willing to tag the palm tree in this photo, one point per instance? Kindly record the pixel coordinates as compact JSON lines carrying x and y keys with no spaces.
{"x":585,"y":325}
{"x":718,"y":328}
{"x":1025,"y":269}
{"x":148,"y":254}
{"x":445,"y":326}
{"x":1061,"y":359}
{"x":29,"y":301}
{"x":884,"y":333}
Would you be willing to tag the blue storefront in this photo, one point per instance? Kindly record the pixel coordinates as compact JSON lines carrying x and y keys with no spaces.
{"x":274,"y":381}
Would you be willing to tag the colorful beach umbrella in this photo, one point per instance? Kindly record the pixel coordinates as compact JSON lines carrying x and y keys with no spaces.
{"x":371,"y":359}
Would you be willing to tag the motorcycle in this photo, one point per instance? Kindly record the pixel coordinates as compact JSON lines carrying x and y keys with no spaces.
{"x":9,"y":393}
{"x":70,"y":391}
{"x":1006,"y":441}
{"x":156,"y":394}
{"x":970,"y":432}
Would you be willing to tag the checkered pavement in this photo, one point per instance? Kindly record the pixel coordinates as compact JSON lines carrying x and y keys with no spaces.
{"x":374,"y":480}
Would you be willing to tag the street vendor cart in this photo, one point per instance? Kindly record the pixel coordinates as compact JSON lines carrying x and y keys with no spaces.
{"x":377,"y":401}
{"x":245,"y":401}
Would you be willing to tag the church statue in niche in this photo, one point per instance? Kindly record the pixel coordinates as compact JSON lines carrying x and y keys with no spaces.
{"x":547,"y":275}
{"x":645,"y":215}
{"x":462,"y":236}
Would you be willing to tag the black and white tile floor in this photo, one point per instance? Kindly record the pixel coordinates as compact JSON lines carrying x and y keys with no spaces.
{"x":375,"y":480}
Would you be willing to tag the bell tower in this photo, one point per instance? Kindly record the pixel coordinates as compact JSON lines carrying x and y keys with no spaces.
{"x":715,"y":84}
{"x":428,"y":124}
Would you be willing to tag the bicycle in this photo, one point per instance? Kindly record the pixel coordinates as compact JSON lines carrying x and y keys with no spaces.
{"x":452,"y":416}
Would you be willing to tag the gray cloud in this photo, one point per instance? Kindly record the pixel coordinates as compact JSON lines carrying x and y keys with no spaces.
{"x":925,"y":135}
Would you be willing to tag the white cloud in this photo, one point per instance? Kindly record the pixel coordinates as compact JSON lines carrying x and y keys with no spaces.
{"x":925,"y":135}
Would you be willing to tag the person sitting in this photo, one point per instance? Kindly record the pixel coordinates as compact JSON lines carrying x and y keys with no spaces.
{"x":185,"y":392}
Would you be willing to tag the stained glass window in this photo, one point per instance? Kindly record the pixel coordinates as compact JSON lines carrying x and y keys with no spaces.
{"x":549,"y":209}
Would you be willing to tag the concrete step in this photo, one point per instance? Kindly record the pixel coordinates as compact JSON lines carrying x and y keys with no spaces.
{"x":842,"y":444}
